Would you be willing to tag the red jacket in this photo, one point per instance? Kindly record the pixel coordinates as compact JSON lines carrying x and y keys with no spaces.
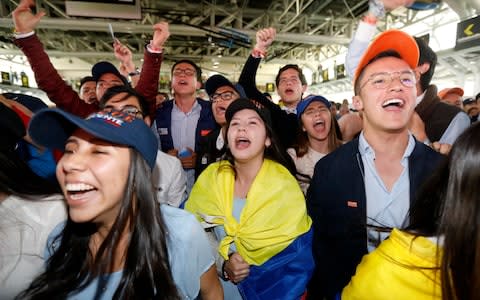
{"x":64,"y":96}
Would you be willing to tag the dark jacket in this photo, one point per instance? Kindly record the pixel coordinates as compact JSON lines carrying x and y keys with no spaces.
{"x":284,"y":124}
{"x":163,"y":118}
{"x":207,"y":151}
{"x":336,"y":202}
{"x":64,"y":96}
{"x":435,"y":114}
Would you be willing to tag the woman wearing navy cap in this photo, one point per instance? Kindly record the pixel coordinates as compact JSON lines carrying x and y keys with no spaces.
{"x":116,"y":243}
{"x":316,"y":137}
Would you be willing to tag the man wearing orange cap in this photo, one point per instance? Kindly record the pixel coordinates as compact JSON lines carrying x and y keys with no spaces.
{"x":382,"y":168}
{"x":433,"y":121}
{"x":452,"y":96}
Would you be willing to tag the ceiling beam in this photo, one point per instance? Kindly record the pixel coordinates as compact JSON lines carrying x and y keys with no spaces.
{"x":182,"y":30}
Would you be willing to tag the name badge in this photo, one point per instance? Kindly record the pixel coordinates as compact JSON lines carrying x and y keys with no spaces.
{"x":162,"y":131}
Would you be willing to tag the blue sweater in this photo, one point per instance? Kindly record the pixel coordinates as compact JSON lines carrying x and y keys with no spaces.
{"x":340,"y":235}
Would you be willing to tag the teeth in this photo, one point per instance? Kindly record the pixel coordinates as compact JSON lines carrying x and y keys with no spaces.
{"x":78,"y":187}
{"x":392,"y":102}
{"x":319,"y":122}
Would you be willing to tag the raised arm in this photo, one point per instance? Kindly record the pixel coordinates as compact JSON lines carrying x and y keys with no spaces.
{"x":366,"y":30}
{"x":127,"y":66}
{"x":148,"y":82}
{"x":285,"y":124}
{"x":46,"y":75}
{"x":264,"y":38}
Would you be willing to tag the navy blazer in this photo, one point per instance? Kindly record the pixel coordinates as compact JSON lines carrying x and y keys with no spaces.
{"x":163,"y":118}
{"x":336,"y":202}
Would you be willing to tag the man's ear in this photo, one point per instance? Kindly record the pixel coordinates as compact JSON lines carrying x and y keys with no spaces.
{"x":199,"y":85}
{"x":423,"y":68}
{"x":357,"y":102}
{"x":304,"y":88}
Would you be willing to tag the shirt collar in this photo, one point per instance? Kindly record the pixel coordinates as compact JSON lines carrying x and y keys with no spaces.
{"x":365,"y":148}
{"x":420,"y":98}
{"x":195,"y":107}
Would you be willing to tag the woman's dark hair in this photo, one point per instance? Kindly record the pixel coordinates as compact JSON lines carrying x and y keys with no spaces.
{"x":460,"y":219}
{"x":427,"y":55}
{"x":274,"y":152}
{"x":18,"y":179}
{"x":425,"y":212}
{"x":302,"y":143}
{"x":146,"y":273}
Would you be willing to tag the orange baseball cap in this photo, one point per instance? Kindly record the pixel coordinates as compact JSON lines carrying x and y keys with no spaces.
{"x":393,"y":39}
{"x":455,"y":90}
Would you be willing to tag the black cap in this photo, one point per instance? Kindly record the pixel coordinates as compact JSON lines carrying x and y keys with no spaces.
{"x":216,"y":81}
{"x":469,"y":101}
{"x":104,"y":67}
{"x":243,"y":103}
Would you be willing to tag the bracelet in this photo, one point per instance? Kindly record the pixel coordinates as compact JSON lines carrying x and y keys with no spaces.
{"x":134,"y":73}
{"x":370,"y":19}
{"x":224,"y":273}
{"x":154,"y":49}
{"x":257,"y":53}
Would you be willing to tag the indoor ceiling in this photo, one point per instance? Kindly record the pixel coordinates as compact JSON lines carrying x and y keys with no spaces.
{"x":217,"y":34}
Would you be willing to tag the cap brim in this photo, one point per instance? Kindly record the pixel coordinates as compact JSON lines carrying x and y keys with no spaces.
{"x":52,"y":127}
{"x":104,"y":67}
{"x":216,"y":81}
{"x":455,"y":90}
{"x":395,"y":40}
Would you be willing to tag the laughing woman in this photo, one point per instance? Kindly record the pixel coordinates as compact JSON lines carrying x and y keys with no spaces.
{"x":318,"y":135}
{"x":263,"y":227}
{"x":117,"y":243}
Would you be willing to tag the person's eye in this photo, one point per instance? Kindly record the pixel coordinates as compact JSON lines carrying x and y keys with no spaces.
{"x":232,"y":124}
{"x":99,"y":151}
{"x":407,"y":79}
{"x":69,"y":148}
{"x":378,"y":80}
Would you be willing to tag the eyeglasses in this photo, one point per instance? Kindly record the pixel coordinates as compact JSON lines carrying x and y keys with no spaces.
{"x":187,"y":72}
{"x":225,"y":96}
{"x":128,"y":110}
{"x":383,"y":80}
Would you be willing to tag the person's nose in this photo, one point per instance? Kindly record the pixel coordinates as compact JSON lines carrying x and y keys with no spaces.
{"x":72,"y":162}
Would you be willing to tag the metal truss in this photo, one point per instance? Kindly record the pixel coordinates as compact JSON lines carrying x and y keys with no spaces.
{"x":220,"y":31}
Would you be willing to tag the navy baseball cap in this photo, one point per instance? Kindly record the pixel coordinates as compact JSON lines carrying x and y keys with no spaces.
{"x":104,"y":67}
{"x":52,"y":127}
{"x":305,"y":102}
{"x":217,"y":80}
